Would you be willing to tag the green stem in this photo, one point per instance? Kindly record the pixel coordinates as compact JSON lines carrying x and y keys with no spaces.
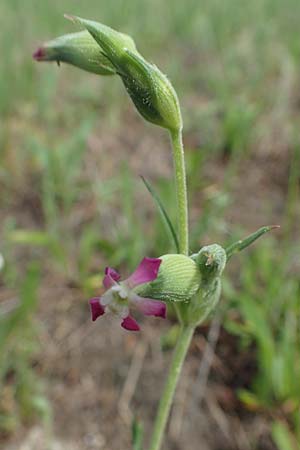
{"x":170,"y":386}
{"x":187,"y":331}
{"x":181,"y":191}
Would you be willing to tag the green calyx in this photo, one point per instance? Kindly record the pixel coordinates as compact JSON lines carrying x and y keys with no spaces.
{"x":77,"y":49}
{"x":204,"y":302}
{"x":178,"y":280}
{"x":150,"y":90}
{"x":211,"y":261}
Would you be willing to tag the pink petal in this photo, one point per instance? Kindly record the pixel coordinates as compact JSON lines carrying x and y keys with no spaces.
{"x":97,"y":309}
{"x":39,"y":54}
{"x":130,"y":324}
{"x":110,"y":278}
{"x":150,"y":307}
{"x":146,"y":271}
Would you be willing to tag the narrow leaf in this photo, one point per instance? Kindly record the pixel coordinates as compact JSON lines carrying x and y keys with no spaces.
{"x":166,"y":219}
{"x":27,"y":304}
{"x":137,"y":435}
{"x":283,"y":437}
{"x":243,"y":243}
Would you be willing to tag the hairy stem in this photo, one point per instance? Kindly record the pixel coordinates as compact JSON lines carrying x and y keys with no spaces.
{"x":181,"y":191}
{"x":187,"y":331}
{"x":170,"y":386}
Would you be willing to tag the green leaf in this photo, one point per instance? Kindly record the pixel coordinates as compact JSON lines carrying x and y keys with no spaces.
{"x":243,"y":243}
{"x":30,"y":237}
{"x":282,"y":437}
{"x":137,"y":435}
{"x":38,"y":239}
{"x":166,"y":219}
{"x":28,"y":302}
{"x":251,"y":401}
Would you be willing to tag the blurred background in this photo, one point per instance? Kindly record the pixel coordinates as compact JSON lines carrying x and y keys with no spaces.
{"x":72,"y":149}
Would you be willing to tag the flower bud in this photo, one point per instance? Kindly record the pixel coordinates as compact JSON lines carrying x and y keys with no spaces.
{"x":211,"y":261}
{"x":178,"y":280}
{"x":149,"y":89}
{"x":78,"y":49}
{"x":151,"y":92}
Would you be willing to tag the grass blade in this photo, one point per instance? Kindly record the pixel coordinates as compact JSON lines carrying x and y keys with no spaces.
{"x":137,"y":435}
{"x":166,"y":219}
{"x":282,"y":437}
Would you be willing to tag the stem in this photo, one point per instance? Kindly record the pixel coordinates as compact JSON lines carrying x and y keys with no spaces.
{"x":187,"y":331}
{"x":170,"y":386}
{"x":181,"y":191}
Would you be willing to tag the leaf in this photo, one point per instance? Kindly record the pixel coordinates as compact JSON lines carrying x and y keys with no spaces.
{"x":28,"y":302}
{"x":282,"y":437}
{"x":243,"y":243}
{"x":38,"y":239}
{"x":137,"y":435}
{"x":251,"y":401}
{"x":166,"y":219}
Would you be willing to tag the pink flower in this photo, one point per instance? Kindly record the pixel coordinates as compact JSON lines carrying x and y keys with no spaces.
{"x":120,"y":295}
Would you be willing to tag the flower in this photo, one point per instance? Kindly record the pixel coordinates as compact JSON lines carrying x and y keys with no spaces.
{"x":120,"y":295}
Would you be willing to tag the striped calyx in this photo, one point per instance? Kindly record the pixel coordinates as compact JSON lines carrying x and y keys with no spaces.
{"x":178,"y":280}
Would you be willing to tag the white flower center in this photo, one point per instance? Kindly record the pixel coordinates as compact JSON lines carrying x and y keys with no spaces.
{"x":122,"y":291}
{"x":116,"y":300}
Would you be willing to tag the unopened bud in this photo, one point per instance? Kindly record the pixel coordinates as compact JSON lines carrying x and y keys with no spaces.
{"x":151,"y":92}
{"x":149,"y":89}
{"x":77,"y":49}
{"x":211,"y":261}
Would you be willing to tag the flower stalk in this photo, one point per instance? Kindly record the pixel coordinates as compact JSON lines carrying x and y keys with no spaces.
{"x":166,"y":400}
{"x":181,"y":190}
{"x":187,"y":331}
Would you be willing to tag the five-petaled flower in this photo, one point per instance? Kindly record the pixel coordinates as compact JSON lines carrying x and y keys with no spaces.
{"x":120,"y":295}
